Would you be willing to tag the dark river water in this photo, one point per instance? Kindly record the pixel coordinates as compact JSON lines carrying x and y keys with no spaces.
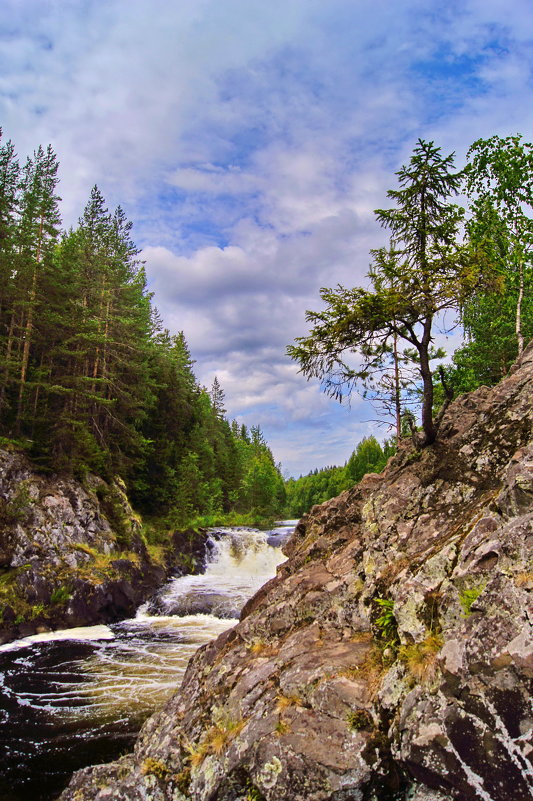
{"x":77,"y":698}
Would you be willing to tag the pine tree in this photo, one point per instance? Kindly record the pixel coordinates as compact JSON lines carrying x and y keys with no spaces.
{"x":9,"y":201}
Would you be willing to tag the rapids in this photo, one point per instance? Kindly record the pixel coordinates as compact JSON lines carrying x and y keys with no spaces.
{"x":78,"y":697}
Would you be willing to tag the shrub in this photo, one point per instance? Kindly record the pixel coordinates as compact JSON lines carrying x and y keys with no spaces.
{"x":60,"y":595}
{"x":359,"y":719}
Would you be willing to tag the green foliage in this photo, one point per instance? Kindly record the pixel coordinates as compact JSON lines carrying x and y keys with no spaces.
{"x":499,"y":184}
{"x":424,"y":273}
{"x":154,"y":767}
{"x":60,"y":595}
{"x":252,"y":791}
{"x":321,"y":485}
{"x":359,"y":719}
{"x":469,"y":595}
{"x":90,"y":381}
{"x":16,"y":510}
{"x":386,"y":622}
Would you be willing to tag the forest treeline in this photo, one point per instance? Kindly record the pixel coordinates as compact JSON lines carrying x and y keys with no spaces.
{"x":89,"y":378}
{"x":320,"y":485}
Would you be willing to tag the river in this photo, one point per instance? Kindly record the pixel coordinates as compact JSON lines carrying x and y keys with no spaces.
{"x":78,"y":697}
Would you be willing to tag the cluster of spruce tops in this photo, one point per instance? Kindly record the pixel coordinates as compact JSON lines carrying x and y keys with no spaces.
{"x":89,"y":380}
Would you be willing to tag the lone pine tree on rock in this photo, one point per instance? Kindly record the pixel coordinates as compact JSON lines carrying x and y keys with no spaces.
{"x":424,"y":273}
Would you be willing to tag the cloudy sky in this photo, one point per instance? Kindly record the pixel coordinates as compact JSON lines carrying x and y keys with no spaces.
{"x":249,"y":142}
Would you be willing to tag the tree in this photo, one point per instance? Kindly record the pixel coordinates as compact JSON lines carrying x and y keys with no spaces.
{"x":368,"y":457}
{"x":499,"y":181}
{"x":9,"y":203}
{"x":217,"y":398}
{"x":425,"y":274}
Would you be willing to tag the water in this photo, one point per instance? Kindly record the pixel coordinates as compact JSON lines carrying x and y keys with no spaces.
{"x":75,"y":698}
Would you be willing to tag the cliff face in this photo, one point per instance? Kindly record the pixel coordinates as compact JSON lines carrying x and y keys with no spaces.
{"x":391,"y":657}
{"x":70,"y":554}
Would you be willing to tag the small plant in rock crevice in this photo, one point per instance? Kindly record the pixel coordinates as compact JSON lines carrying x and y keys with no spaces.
{"x":359,"y":719}
{"x":421,"y":658}
{"x":252,"y":792}
{"x":215,"y":738}
{"x":17,"y":509}
{"x":286,"y":701}
{"x":60,"y":595}
{"x":282,"y":727}
{"x":155,"y":768}
{"x":386,"y":622}
{"x":468,"y":596}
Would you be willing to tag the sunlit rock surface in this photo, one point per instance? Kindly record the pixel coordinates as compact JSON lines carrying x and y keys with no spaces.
{"x":321,"y":693}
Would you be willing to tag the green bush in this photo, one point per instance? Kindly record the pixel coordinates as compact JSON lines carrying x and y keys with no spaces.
{"x":386,"y":622}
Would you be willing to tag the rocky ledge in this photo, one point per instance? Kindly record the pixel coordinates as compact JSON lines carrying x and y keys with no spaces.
{"x":74,"y":554}
{"x":391,"y":657}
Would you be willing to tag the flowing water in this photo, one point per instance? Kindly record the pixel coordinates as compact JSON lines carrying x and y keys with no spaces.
{"x":78,"y":697}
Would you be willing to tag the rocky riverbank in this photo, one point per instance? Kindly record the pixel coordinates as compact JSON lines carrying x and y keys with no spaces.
{"x":74,"y":554}
{"x":391,"y":657}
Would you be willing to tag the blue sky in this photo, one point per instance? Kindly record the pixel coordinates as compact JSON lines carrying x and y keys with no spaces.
{"x":250,"y":144}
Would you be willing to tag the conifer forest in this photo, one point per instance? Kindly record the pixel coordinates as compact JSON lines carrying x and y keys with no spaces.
{"x":90,"y":380}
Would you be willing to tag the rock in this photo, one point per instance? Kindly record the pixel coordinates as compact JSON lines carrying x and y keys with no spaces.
{"x":321,"y":694}
{"x":72,"y":554}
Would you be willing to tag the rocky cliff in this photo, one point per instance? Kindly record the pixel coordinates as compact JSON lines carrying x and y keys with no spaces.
{"x":74,"y":554}
{"x":391,"y":657}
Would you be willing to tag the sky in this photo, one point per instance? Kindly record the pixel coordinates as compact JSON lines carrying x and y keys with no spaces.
{"x":250,"y":143}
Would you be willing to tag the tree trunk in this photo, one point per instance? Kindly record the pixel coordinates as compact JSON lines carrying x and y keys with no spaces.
{"x":7,"y":368}
{"x":519,"y":332}
{"x":428,"y":425}
{"x":397,"y":401}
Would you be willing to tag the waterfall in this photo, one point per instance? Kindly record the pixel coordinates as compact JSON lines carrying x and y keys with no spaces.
{"x":77,"y":697}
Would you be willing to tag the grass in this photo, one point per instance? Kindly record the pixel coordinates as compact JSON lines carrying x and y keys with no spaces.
{"x":60,"y":595}
{"x":372,"y":668}
{"x":100,"y":567}
{"x":284,"y":702}
{"x":421,"y":658}
{"x":215,"y":738}
{"x":154,"y":767}
{"x":524,"y":579}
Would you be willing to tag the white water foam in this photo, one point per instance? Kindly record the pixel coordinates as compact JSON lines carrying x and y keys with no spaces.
{"x":82,"y":633}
